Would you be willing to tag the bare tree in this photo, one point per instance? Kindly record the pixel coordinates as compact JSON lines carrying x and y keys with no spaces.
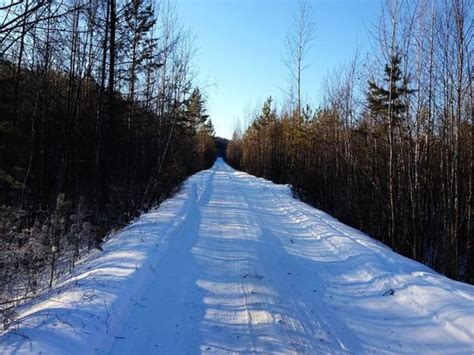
{"x":298,"y":44}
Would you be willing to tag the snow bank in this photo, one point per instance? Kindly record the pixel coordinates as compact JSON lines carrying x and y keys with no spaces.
{"x":82,"y":313}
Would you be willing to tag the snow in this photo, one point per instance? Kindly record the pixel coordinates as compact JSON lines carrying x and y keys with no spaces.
{"x":234,"y":264}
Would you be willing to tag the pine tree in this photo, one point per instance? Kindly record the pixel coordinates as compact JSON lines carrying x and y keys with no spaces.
{"x":195,"y":112}
{"x":139,"y":20}
{"x":389,"y":103}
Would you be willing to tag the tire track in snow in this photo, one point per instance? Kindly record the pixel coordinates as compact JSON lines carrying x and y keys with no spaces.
{"x":282,"y":324}
{"x":320,"y":325}
{"x":179,"y":333}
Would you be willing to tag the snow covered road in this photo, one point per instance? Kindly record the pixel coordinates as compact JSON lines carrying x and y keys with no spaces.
{"x":234,"y":264}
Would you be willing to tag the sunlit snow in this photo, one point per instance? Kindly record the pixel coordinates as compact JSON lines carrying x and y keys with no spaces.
{"x":234,"y":264}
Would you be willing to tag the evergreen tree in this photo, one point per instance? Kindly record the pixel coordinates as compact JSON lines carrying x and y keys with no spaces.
{"x":389,"y":101}
{"x":195,"y":111}
{"x":137,"y":45}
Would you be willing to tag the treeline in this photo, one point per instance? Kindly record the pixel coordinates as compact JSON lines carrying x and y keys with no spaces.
{"x":391,"y":149}
{"x":99,"y":120}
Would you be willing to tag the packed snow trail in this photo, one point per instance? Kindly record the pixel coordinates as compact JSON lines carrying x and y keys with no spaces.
{"x":234,"y":264}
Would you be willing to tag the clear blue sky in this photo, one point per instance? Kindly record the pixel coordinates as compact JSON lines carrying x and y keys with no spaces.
{"x":241,"y":44}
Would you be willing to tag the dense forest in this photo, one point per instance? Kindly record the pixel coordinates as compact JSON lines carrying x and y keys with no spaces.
{"x":390,"y":149}
{"x":100,"y":119}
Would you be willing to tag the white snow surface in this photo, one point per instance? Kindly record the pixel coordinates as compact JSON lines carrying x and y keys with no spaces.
{"x":233,"y":263}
